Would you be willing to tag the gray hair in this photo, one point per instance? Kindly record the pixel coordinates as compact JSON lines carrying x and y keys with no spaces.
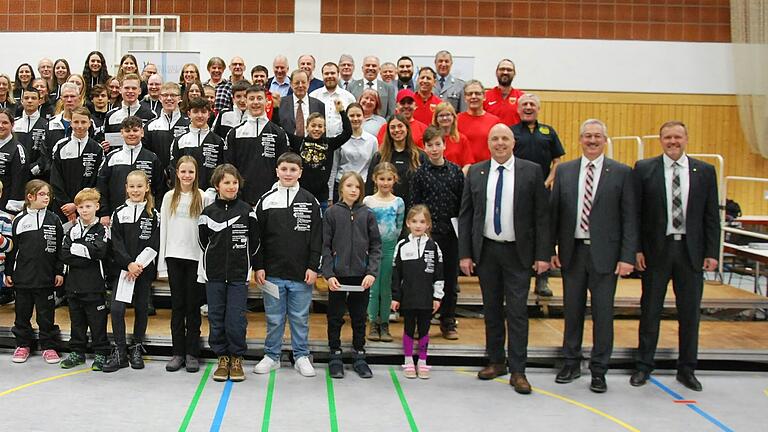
{"x":346,"y":57}
{"x":473,"y":82}
{"x":528,"y":96}
{"x":588,"y":122}
{"x":443,"y":52}
{"x":69,"y":86}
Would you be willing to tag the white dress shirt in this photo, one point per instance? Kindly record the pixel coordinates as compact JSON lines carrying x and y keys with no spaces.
{"x":507,"y":202}
{"x":598,"y":163}
{"x":333,"y":125}
{"x":375,"y":84}
{"x":304,"y":108}
{"x":684,"y":187}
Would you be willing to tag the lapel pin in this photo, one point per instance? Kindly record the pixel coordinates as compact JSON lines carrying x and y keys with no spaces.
{"x":694,"y":170}
{"x":482,"y":172}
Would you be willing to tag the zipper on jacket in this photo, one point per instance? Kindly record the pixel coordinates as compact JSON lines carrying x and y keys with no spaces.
{"x":351,"y":236}
{"x":229,"y":244}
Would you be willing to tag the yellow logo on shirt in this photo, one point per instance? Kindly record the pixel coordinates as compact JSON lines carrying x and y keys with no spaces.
{"x":544,"y":130}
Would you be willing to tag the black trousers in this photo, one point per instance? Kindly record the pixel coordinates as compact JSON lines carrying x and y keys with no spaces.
{"x":688,"y":283}
{"x":186,"y":295}
{"x":140,"y":319}
{"x":579,"y":278}
{"x":42,"y":302}
{"x":449,"y":245}
{"x":504,"y":283}
{"x":416,"y":319}
{"x":88,"y":311}
{"x":338,"y":304}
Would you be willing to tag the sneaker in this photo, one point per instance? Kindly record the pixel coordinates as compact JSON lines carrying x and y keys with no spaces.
{"x":542,"y":288}
{"x":384,"y":334}
{"x":136,"y":360}
{"x":266,"y":365}
{"x":175,"y":363}
{"x":204,"y":310}
{"x":192,"y":363}
{"x":222,"y":370}
{"x":98,"y":362}
{"x":304,"y":366}
{"x":361,"y":366}
{"x":71,"y":360}
{"x":449,"y":332}
{"x":336,"y":365}
{"x":409,"y":370}
{"x":236,"y":373}
{"x":117,"y":360}
{"x":423,"y":370}
{"x":373,"y":332}
{"x":51,"y":356}
{"x":21,"y":354}
{"x":7,"y":298}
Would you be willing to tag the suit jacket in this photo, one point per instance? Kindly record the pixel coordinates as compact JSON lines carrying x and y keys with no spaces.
{"x":288,"y":112}
{"x":452,"y":92}
{"x":612,"y":220}
{"x":386,"y":91}
{"x":531,"y":212}
{"x":702,"y":221}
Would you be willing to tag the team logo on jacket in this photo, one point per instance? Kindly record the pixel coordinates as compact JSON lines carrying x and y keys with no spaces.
{"x":302,"y":211}
{"x":51,"y":242}
{"x":239,"y":236}
{"x":429,"y":261}
{"x":146,"y":226}
{"x":89,"y":164}
{"x":145,"y":166}
{"x":268,"y":143}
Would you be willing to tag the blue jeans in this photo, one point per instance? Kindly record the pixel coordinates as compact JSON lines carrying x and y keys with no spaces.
{"x":226,"y":317}
{"x":295,"y":299}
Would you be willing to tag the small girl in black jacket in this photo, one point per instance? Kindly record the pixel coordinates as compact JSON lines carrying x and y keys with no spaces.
{"x":33,"y":269}
{"x":135,"y":228}
{"x":351,"y":256}
{"x":417,"y":286}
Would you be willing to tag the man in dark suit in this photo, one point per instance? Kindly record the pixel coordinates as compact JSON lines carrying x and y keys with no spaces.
{"x":593,"y":217}
{"x":370,"y":80}
{"x":680,"y":235}
{"x":503,"y":233}
{"x":296,"y":107}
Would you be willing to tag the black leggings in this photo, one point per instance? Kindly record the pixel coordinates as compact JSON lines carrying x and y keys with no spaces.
{"x":414,"y":318}
{"x":185,"y":306}
{"x":140,"y":298}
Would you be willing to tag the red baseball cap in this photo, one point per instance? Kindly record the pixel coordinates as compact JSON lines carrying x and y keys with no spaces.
{"x":405,"y":93}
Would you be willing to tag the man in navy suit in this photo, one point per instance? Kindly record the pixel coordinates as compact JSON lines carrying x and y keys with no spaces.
{"x":503,"y":233}
{"x":680,"y":236}
{"x":293,"y":119}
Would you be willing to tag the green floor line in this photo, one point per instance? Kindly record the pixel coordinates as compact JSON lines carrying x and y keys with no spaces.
{"x":403,"y":401}
{"x":196,"y":398}
{"x":268,"y":402}
{"x":331,"y":401}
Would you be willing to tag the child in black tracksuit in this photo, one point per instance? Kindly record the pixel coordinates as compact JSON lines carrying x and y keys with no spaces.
{"x":135,"y":228}
{"x":417,"y":286}
{"x":228,"y":237}
{"x":83,"y":251}
{"x":33,"y":269}
{"x":351,"y":256}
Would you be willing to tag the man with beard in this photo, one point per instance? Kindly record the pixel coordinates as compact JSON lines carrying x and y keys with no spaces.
{"x":328,"y":96}
{"x":501,"y":100}
{"x":537,"y":143}
{"x":448,"y":87}
{"x":405,"y":74}
{"x":346,"y":70}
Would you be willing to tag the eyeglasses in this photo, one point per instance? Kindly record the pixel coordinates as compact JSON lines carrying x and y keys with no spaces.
{"x":445,"y":115}
{"x":169,"y":95}
{"x":43,"y":194}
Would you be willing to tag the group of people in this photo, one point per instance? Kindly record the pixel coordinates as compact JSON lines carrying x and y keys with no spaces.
{"x":386,"y":186}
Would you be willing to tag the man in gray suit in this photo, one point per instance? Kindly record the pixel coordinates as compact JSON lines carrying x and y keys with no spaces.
{"x":594,"y":223}
{"x":296,"y":107}
{"x":503,"y":233}
{"x":370,"y":80}
{"x":448,"y":87}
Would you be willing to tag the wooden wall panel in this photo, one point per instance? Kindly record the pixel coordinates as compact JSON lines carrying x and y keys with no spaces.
{"x":713,"y":126}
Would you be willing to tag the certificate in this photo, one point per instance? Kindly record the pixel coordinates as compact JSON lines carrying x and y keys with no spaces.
{"x":115,"y":139}
{"x":271,"y":289}
{"x":350,"y":288}
{"x":124,"y":288}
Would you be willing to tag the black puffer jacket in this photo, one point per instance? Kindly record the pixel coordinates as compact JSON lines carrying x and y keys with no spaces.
{"x":351,"y":241}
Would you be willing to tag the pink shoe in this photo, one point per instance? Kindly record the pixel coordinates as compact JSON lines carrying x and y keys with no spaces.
{"x":409,"y":370}
{"x":51,"y":356}
{"x":423,"y":370}
{"x":21,"y":354}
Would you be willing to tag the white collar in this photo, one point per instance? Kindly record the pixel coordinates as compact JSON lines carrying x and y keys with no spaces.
{"x":35,"y":211}
{"x":252,"y":119}
{"x":508,"y":165}
{"x":598,"y":162}
{"x":5,"y":141}
{"x":668,"y":161}
{"x":294,"y":188}
{"x":199,"y":131}
{"x":130,"y":203}
{"x":134,"y":106}
{"x":32,"y":118}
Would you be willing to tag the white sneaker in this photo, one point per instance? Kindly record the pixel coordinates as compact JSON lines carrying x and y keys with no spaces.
{"x":266,"y":365}
{"x":304,"y":366}
{"x":204,"y":310}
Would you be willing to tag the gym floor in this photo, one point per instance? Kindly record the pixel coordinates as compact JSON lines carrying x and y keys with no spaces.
{"x":35,"y":396}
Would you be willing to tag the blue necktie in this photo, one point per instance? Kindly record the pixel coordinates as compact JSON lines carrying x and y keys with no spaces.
{"x":497,"y":201}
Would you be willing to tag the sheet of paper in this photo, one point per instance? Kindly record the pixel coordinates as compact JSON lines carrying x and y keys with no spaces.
{"x":351,"y":288}
{"x":115,"y":139}
{"x":124,"y":288}
{"x":455,"y":223}
{"x":146,"y":257}
{"x":271,"y":289}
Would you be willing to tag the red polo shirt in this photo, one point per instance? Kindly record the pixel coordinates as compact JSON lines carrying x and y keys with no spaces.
{"x":458,"y":152}
{"x":417,"y":132}
{"x":503,"y":108}
{"x":476,"y":128}
{"x":425,"y":109}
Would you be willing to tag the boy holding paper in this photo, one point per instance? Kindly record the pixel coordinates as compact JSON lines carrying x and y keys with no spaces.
{"x":84,"y":248}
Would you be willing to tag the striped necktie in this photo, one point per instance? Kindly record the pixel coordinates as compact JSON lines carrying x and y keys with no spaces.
{"x":589,"y":181}
{"x":677,"y":198}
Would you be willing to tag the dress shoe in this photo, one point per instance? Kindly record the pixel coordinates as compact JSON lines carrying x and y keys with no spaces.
{"x":689,"y":380}
{"x":492,"y":371}
{"x":568,"y":374}
{"x":520,"y":383}
{"x":598,"y":384}
{"x":639,"y":378}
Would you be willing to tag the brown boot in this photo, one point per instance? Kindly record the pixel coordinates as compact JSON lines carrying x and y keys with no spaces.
{"x":222,"y":370}
{"x":373,"y":332}
{"x":520,"y":383}
{"x":492,"y":371}
{"x":236,"y":373}
{"x":384,"y":332}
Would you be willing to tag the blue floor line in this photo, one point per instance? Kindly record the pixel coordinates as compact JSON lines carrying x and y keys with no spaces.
{"x":222,"y":408}
{"x":695,"y":408}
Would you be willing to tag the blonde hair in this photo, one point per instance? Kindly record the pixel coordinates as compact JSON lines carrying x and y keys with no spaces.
{"x":352,"y":174}
{"x":445,"y":106}
{"x":420,"y":209}
{"x":148,"y":196}
{"x":381,"y":168}
{"x":87,"y":194}
{"x":196,"y":207}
